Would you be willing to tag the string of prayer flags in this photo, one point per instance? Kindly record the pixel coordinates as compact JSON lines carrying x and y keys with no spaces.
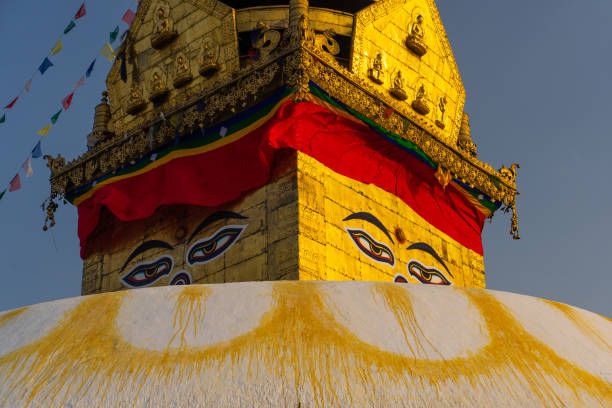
{"x":44,"y":131}
{"x":114,"y":34}
{"x":15,"y":183}
{"x":91,"y":67}
{"x":29,"y":84}
{"x":107,"y":52}
{"x":67,"y":101}
{"x":69,"y":27}
{"x":2,"y":194}
{"x":55,"y":117}
{"x":13,"y":102}
{"x":81,"y":12}
{"x":27,"y":167}
{"x":37,"y":151}
{"x":46,"y":64}
{"x":80,"y":83}
{"x":57,"y":47}
{"x":128,"y":17}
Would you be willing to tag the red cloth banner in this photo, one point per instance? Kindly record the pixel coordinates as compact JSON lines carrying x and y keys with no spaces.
{"x":345,"y":146}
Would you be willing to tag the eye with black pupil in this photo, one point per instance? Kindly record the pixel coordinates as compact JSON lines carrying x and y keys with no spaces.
{"x":210,"y":248}
{"x":370,"y":247}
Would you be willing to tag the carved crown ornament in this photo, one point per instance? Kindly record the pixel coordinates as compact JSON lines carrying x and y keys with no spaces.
{"x":308,"y":58}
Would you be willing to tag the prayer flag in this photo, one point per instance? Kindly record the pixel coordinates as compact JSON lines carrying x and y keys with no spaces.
{"x":107,"y":52}
{"x":56,"y":116}
{"x":128,"y":17}
{"x":3,"y":119}
{"x":28,"y":85}
{"x":67,"y":101}
{"x":10,"y":105}
{"x":88,"y":73}
{"x":80,"y":83}
{"x":15,"y":183}
{"x":57,"y":47}
{"x":27,"y":167}
{"x":44,"y":131}
{"x":2,"y":194}
{"x":69,"y":27}
{"x":45,"y":65}
{"x":81,"y":12}
{"x":114,"y":34}
{"x":37,"y":151}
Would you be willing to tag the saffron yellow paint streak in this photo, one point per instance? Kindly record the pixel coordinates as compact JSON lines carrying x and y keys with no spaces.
{"x":299,"y":346}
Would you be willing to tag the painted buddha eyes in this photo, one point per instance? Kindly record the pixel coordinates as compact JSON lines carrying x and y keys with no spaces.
{"x":148,"y":273}
{"x":207,"y":249}
{"x":430,"y":276}
{"x":181,"y":278}
{"x":370,"y":247}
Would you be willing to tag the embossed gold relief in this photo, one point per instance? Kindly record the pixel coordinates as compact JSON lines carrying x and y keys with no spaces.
{"x":442,"y":108}
{"x":183,"y":72}
{"x":416,"y":38}
{"x":397,"y":90}
{"x":164,"y":31}
{"x":158,"y":87}
{"x":136,"y":103}
{"x":266,"y":41}
{"x":465,"y":139}
{"x":420,"y":103}
{"x":327,"y":43}
{"x":377,"y":72}
{"x":210,"y":56}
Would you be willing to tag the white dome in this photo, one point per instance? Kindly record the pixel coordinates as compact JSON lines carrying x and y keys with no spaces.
{"x":308,"y":344}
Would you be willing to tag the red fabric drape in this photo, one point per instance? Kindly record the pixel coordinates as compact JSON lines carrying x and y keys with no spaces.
{"x":347,"y":147}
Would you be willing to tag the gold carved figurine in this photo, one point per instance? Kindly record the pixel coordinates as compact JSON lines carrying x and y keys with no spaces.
{"x":376,"y":73}
{"x":442,"y":107}
{"x":158,"y":87}
{"x":209,"y":65}
{"x":164,"y":32}
{"x":397,"y":91}
{"x":416,"y":37}
{"x":183,"y":73}
{"x":420,"y":104}
{"x":135,"y":103}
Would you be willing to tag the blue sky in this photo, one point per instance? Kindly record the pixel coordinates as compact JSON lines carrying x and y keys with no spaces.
{"x":537,"y":79}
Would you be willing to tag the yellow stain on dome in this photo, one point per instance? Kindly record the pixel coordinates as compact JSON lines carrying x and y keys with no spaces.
{"x":8,"y":316}
{"x":299,"y":338}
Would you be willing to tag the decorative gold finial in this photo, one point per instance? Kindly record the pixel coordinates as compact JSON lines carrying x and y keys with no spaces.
{"x":55,"y":164}
{"x":183,"y":73}
{"x":416,"y":39}
{"x":464,"y":142}
{"x":376,"y":73}
{"x":420,"y":104}
{"x":209,"y":66}
{"x":442,"y":107}
{"x":397,"y":91}
{"x":164,"y":27}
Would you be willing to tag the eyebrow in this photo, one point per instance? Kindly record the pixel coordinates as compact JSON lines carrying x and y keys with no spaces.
{"x":219,"y":215}
{"x":421,"y":246}
{"x":145,"y":247}
{"x":366,"y":216}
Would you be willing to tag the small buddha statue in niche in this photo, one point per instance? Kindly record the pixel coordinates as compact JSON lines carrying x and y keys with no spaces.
{"x":420,"y":104}
{"x":135,"y":101}
{"x":377,"y":71}
{"x":416,"y":37}
{"x":183,"y":73}
{"x":398,"y":87}
{"x":163,"y":32}
{"x":209,"y":66}
{"x":442,"y":107}
{"x":158,"y":88}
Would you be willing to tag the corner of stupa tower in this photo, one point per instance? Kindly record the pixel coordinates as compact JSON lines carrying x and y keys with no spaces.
{"x":246,"y":141}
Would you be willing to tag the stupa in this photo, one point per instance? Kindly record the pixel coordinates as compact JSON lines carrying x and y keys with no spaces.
{"x":244,"y":155}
